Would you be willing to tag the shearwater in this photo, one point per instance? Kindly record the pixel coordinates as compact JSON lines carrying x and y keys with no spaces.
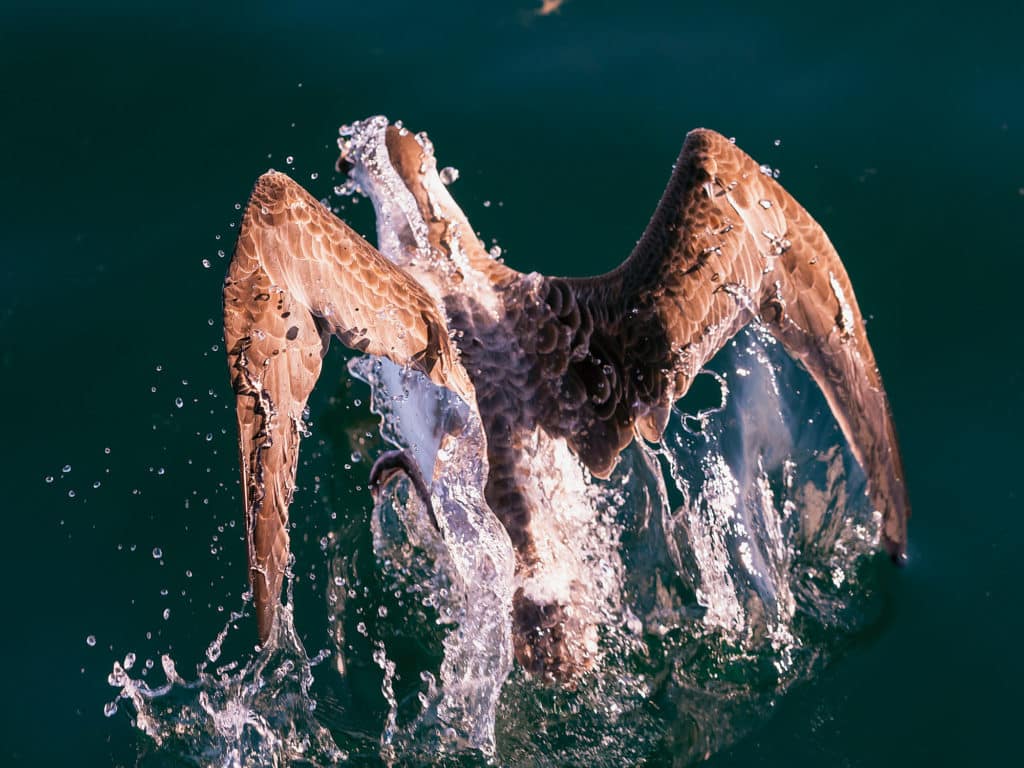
{"x":562,"y":373}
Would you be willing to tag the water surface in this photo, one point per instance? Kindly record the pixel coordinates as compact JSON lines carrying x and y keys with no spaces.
{"x":134,"y":131}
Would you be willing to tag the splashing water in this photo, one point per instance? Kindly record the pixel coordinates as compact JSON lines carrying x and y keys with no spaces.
{"x":258,"y":715}
{"x":468,"y":562}
{"x":724,"y":565}
{"x":741,"y":577}
{"x":743,"y":546}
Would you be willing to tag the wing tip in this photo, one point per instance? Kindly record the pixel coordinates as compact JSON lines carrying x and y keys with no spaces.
{"x":897,"y":550}
{"x":272,"y":179}
{"x":894,"y":531}
{"x":707,"y":139}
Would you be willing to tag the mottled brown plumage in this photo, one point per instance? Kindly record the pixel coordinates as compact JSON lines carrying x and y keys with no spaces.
{"x":592,"y":361}
{"x":297,"y":276}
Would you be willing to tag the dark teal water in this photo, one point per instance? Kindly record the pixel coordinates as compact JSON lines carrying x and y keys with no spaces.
{"x":130,"y":132}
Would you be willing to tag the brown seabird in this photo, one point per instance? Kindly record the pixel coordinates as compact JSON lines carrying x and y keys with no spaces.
{"x":593,"y":362}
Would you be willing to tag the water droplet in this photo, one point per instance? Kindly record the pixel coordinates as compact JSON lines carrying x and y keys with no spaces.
{"x":90,"y":640}
{"x":487,"y":203}
{"x":157,"y":553}
{"x":766,"y":204}
{"x":110,"y":708}
{"x":777,"y":142}
{"x":67,"y":468}
{"x":209,"y":436}
{"x":167,"y":613}
{"x":448,"y":175}
{"x":178,"y":402}
{"x":71,"y":494}
{"x":206,"y":263}
{"x":289,"y":160}
{"x":129,"y":660}
{"x":213,"y":652}
{"x":97,"y":484}
{"x":49,"y":478}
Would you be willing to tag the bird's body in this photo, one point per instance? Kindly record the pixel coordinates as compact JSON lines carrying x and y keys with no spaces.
{"x":564,"y":373}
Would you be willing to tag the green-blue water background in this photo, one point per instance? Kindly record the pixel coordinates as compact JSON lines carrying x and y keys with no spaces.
{"x":128,"y":133}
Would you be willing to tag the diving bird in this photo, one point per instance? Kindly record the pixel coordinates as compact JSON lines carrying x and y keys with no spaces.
{"x":583,"y":364}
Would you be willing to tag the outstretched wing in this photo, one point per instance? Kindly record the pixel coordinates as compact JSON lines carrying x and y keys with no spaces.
{"x":726,"y":244}
{"x":298,"y":276}
{"x":448,"y":231}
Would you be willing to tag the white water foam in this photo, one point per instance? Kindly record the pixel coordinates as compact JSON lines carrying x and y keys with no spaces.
{"x":471,"y":552}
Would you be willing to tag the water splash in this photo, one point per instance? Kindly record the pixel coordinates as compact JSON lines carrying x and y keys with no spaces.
{"x":467,"y":563}
{"x":747,"y":561}
{"x":723,"y":566}
{"x":259,"y":714}
{"x":741,"y":551}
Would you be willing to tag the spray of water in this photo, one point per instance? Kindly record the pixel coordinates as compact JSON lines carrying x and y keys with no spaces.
{"x":724,"y":566}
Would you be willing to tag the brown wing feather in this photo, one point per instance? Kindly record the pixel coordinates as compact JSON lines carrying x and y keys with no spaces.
{"x":726,"y":244}
{"x":417,"y":167}
{"x":297,"y":276}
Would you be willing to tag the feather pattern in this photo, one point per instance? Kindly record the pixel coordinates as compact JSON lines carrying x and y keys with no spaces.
{"x":594,"y":361}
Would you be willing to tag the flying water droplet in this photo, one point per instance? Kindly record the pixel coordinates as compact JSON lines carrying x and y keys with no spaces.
{"x":213,"y":652}
{"x":448,"y":175}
